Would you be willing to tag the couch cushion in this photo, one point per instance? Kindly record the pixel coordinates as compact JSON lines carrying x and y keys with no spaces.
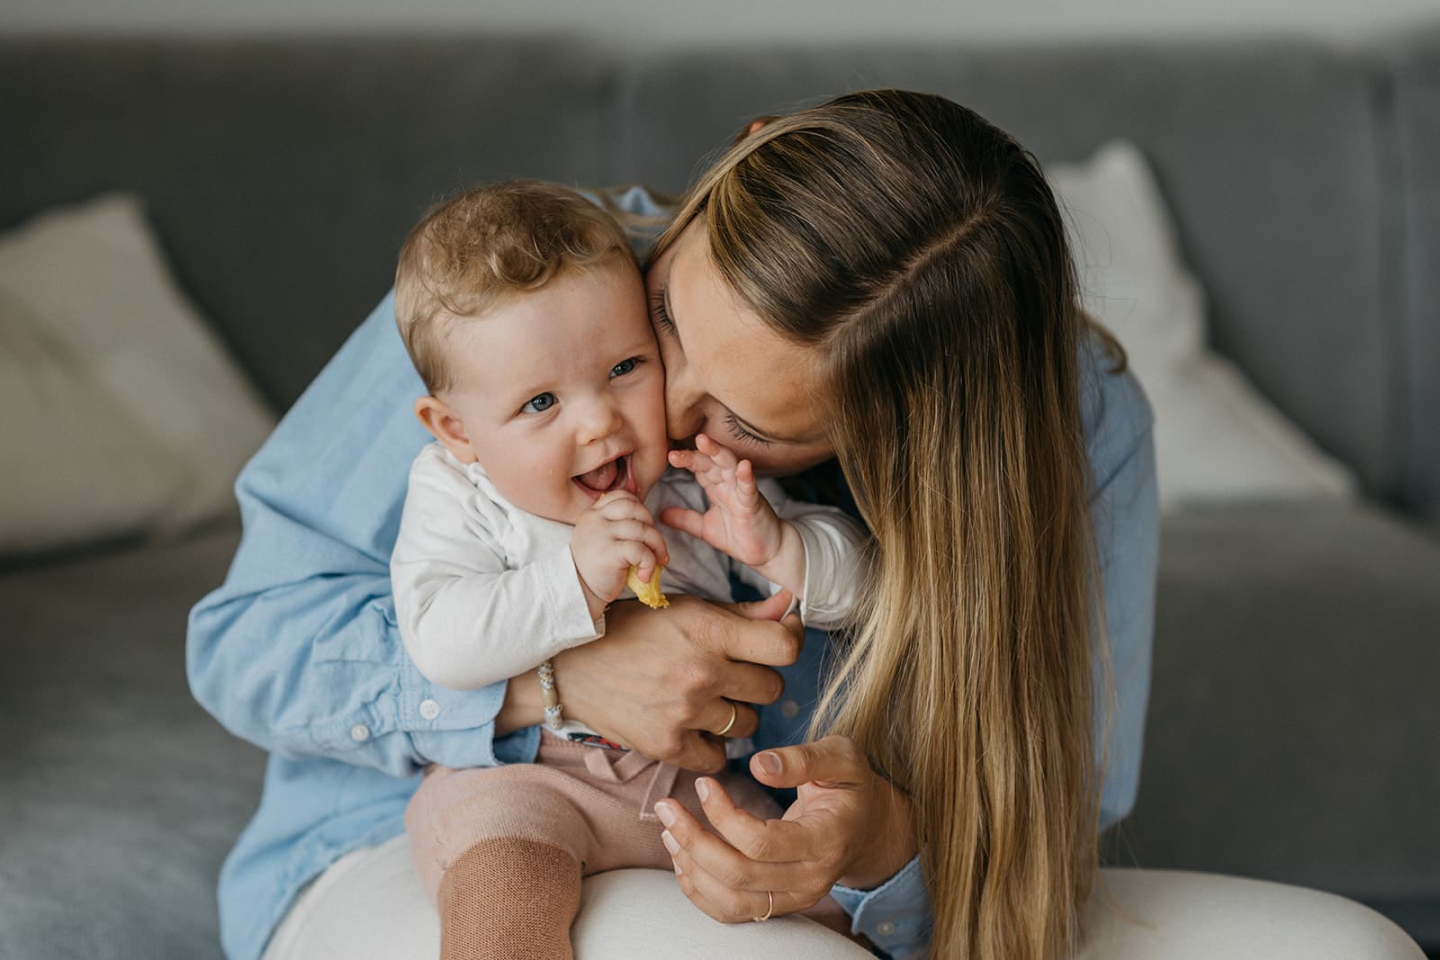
{"x":1268,"y":153}
{"x":283,"y":174}
{"x":1294,"y":706}
{"x":120,"y":795}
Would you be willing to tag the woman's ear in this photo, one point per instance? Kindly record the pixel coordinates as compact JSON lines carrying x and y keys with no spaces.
{"x":444,"y":425}
{"x":754,"y":127}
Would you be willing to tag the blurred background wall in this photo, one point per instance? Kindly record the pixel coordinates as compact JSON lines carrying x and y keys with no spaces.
{"x":665,"y":21}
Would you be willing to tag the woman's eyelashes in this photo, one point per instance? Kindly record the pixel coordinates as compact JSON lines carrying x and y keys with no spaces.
{"x":661,"y":315}
{"x":740,"y":433}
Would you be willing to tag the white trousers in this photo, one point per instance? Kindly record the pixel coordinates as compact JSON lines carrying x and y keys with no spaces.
{"x":369,"y":906}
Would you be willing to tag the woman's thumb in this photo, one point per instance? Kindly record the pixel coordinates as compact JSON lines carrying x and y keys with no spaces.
{"x":772,"y":607}
{"x":834,"y":760}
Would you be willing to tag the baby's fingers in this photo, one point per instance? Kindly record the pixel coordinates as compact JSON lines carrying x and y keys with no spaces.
{"x":721,"y":456}
{"x":639,"y":555}
{"x":696,"y":461}
{"x":684,"y":520}
{"x":627,"y":507}
{"x":653,"y":539}
{"x":745,"y":484}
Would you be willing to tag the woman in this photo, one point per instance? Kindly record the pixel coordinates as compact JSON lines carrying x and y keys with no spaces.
{"x":884,"y":280}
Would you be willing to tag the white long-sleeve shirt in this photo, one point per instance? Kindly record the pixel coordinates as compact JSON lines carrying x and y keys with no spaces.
{"x":485,"y":591}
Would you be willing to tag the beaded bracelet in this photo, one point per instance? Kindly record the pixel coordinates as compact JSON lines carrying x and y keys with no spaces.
{"x":548,"y":695}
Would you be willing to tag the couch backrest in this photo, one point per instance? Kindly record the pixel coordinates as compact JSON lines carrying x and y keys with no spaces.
{"x":283,"y":174}
{"x":1270,"y":155}
{"x":1416,"y":63}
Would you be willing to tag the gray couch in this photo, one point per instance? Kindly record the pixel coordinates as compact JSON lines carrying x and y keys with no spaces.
{"x":1295,"y":723}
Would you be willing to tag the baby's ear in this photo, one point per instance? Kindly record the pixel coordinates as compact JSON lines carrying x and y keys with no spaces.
{"x":445,"y":426}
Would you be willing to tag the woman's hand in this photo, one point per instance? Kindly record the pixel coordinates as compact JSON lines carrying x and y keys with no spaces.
{"x":849,"y":826}
{"x":659,"y":680}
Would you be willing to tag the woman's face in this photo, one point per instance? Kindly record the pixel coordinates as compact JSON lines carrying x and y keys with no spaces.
{"x":727,"y":373}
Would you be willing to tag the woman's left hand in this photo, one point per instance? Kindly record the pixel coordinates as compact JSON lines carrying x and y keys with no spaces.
{"x":849,"y":825}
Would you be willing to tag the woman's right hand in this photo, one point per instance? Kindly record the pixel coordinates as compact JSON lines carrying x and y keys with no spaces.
{"x":658,"y":681}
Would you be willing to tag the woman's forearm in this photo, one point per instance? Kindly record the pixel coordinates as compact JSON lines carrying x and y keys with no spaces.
{"x":522,"y":707}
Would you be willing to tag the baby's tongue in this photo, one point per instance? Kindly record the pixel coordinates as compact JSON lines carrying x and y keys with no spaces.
{"x":601,"y":477}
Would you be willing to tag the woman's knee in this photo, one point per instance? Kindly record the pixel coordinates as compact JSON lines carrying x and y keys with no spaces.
{"x":1176,"y":915}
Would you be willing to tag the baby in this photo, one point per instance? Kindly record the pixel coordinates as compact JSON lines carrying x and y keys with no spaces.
{"x":524,"y":312}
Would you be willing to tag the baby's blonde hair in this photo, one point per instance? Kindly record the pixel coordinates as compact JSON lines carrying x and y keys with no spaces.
{"x":485,"y":245}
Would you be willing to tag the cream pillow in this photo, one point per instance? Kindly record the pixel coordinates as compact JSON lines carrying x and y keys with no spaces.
{"x":1216,"y":437}
{"x":123,"y":414}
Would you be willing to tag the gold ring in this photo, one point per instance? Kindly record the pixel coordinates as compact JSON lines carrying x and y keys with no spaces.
{"x":769,"y":911}
{"x":733,"y":714}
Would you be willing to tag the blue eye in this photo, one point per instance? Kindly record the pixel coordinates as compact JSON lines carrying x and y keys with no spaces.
{"x":624,"y":367}
{"x":539,"y":403}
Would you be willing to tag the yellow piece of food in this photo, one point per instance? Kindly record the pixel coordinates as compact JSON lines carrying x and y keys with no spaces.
{"x":647,"y":593}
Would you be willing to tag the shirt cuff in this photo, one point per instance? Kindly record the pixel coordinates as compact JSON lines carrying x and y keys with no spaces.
{"x":895,"y":916}
{"x":565,"y":603}
{"x":816,"y":607}
{"x":455,"y":728}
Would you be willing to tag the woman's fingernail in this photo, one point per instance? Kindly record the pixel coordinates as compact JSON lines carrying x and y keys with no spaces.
{"x":678,"y":871}
{"x":666,"y":815}
{"x":669,"y":842}
{"x":702,"y":787}
{"x":770,"y":762}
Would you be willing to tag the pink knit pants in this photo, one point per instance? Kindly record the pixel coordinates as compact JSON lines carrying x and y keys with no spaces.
{"x":596,"y":804}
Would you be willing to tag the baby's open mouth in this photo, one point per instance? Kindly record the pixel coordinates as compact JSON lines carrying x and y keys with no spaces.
{"x":610,"y":475}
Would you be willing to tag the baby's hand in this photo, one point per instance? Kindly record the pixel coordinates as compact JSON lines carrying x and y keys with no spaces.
{"x":616,"y":533}
{"x":740,"y":522}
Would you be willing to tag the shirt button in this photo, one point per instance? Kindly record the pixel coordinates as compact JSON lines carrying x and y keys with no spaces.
{"x":359,"y":733}
{"x":429,"y":709}
{"x":790,"y":709}
{"x":885,"y":928}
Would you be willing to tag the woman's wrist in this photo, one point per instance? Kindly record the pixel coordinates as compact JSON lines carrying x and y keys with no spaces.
{"x":890,"y":848}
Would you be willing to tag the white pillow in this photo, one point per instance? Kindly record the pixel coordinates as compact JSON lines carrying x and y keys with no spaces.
{"x":123,"y":414}
{"x":1216,"y":437}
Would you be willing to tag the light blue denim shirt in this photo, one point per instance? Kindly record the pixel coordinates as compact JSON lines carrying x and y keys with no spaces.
{"x":298,"y":651}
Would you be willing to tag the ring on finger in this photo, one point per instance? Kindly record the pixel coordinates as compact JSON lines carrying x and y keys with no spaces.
{"x":769,"y":910}
{"x":733,"y":714}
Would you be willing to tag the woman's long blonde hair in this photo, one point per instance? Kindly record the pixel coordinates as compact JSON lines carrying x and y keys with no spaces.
{"x":920,"y":248}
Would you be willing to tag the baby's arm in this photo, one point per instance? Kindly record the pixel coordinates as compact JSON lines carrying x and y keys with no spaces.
{"x":466,"y":620}
{"x":740,"y":522}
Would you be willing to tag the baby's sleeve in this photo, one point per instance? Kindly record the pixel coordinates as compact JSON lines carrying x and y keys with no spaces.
{"x":837,"y":551}
{"x":465,"y":618}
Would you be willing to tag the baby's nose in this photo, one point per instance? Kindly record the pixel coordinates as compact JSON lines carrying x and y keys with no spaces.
{"x":601,"y":420}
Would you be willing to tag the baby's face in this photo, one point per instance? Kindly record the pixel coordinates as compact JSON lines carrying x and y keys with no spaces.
{"x":562,"y":393}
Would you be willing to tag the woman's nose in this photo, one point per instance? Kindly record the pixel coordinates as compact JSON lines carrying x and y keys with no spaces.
{"x":684,"y":410}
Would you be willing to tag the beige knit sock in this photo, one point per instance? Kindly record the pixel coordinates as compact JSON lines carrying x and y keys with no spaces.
{"x":509,"y":899}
